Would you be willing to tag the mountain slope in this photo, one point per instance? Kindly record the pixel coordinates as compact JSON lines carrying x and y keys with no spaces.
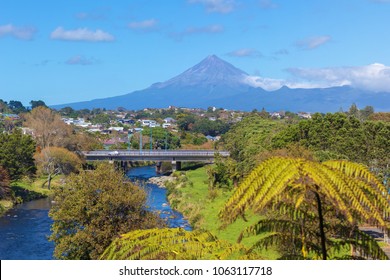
{"x":215,"y":82}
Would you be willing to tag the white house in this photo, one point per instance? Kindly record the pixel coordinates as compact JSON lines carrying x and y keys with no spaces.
{"x":116,"y":128}
{"x":150,"y":123}
{"x":169,"y":120}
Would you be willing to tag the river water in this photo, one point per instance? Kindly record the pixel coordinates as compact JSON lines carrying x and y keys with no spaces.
{"x":25,"y":228}
{"x":157,"y":197}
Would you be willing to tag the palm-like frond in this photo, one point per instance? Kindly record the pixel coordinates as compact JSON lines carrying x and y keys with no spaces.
{"x":364,"y":246}
{"x":173,"y":244}
{"x":349,"y":186}
{"x":274,"y":232}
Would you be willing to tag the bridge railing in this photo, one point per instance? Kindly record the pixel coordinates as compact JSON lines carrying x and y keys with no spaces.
{"x":168,"y":153}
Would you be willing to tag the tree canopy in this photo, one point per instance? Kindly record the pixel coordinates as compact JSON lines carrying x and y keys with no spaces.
{"x":49,"y":129}
{"x":37,"y":103}
{"x":338,"y":136}
{"x":16,"y":154}
{"x":246,"y":139}
{"x":53,"y":161}
{"x":94,"y":207}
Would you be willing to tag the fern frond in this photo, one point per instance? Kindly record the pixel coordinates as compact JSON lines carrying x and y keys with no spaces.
{"x":173,"y":244}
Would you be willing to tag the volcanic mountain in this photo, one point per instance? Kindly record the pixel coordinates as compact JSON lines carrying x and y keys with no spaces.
{"x":215,"y":82}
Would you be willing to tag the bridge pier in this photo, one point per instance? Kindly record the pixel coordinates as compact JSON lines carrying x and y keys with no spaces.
{"x":122,"y":165}
{"x":158,"y":167}
{"x":176,"y":165}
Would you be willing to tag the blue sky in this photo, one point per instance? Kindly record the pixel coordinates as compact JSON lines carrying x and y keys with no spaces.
{"x":61,"y":52}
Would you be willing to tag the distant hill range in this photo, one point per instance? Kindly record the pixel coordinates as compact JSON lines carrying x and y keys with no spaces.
{"x":215,"y":82}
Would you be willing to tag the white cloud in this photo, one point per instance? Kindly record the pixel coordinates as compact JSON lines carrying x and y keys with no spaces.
{"x":265,"y":83}
{"x":216,"y":6}
{"x":245,"y":52}
{"x":22,"y":33}
{"x":81,"y":34}
{"x":143,"y":25}
{"x":271,"y":84}
{"x":313,"y":42}
{"x":373,"y":77}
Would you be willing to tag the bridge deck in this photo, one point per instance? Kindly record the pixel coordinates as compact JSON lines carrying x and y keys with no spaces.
{"x":155,"y":155}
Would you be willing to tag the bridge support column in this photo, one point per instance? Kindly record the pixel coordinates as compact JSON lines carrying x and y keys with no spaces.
{"x":158,"y":167}
{"x":176,"y":165}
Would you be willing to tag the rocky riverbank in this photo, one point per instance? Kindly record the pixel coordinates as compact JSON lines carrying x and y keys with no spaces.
{"x":160,"y":181}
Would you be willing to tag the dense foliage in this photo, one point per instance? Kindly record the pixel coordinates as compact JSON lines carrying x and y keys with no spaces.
{"x":338,"y":136}
{"x":4,"y":184}
{"x":92,"y":209}
{"x":53,"y":161}
{"x":16,"y":154}
{"x":189,"y":122}
{"x":246,"y":139}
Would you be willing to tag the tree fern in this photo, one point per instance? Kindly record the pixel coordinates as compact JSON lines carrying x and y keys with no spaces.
{"x":174,"y":244}
{"x":353,"y":192}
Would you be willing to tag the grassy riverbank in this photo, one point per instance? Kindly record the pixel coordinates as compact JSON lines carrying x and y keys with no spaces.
{"x":191,"y":196}
{"x":26,"y":190}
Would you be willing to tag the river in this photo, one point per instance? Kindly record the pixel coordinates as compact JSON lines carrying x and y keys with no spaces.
{"x":25,"y":228}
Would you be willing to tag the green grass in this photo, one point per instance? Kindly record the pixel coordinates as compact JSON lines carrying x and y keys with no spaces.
{"x":26,"y":189}
{"x":194,"y":201}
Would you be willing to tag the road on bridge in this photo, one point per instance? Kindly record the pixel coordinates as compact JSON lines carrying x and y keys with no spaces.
{"x":155,"y":155}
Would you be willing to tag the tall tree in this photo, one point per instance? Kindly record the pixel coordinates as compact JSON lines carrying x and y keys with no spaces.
{"x":37,"y":103}
{"x":92,"y":209}
{"x":16,"y":106}
{"x":354,"y":111}
{"x":350,"y":188}
{"x":3,"y":106}
{"x":366,"y":112}
{"x":16,"y":154}
{"x":49,"y":129}
{"x":53,"y":161}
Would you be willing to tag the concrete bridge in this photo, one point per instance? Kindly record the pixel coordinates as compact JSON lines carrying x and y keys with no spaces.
{"x":174,"y":156}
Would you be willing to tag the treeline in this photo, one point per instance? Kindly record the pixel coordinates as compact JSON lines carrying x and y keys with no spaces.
{"x":17,"y":107}
{"x":323,"y":137}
